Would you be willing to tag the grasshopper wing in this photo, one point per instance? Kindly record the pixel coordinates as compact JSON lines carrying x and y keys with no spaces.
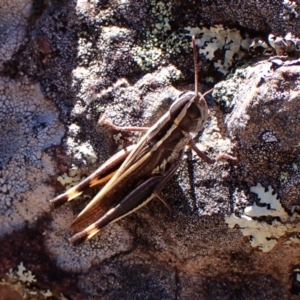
{"x":140,"y":196}
{"x":115,"y":190}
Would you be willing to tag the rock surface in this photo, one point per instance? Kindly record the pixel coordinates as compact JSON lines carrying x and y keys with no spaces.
{"x":63,"y":65}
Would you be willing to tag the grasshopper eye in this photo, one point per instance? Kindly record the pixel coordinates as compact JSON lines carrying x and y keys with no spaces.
{"x":178,"y":106}
{"x":188,"y":115}
{"x":194,"y":112}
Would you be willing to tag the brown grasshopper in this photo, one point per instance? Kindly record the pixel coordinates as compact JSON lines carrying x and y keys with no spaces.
{"x":136,"y":175}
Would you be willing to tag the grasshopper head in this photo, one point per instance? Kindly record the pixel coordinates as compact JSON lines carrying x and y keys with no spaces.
{"x":189,"y":112}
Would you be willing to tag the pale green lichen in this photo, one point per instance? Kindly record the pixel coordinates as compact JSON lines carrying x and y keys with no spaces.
{"x":83,"y":152}
{"x":71,"y":179}
{"x":159,"y":39}
{"x":225,"y":94}
{"x":147,"y":58}
{"x":283,"y":177}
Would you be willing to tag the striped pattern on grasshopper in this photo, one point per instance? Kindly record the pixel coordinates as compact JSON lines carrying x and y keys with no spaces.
{"x":136,"y":175}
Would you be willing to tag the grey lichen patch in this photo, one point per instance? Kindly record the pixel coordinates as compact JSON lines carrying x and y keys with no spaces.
{"x":220,"y":39}
{"x":113,"y":240}
{"x":23,"y":109}
{"x":24,"y":165}
{"x":265,"y":235}
{"x":21,"y":283}
{"x":14,"y":15}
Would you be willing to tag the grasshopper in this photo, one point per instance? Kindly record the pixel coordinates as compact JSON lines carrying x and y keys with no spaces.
{"x":136,"y":175}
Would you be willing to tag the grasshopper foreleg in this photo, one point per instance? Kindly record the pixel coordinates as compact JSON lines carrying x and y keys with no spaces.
{"x":208,"y":160}
{"x":201,"y":154}
{"x":105,"y":121}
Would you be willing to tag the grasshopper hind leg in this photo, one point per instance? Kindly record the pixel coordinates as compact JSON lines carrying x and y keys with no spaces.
{"x":139,"y":197}
{"x":99,"y":177}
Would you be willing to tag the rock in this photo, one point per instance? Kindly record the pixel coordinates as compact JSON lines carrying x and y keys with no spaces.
{"x":66,"y":64}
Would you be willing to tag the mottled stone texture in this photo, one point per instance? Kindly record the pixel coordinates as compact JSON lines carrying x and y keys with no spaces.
{"x":264,"y":123}
{"x":63,"y":65}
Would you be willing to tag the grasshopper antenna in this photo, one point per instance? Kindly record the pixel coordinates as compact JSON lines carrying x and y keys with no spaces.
{"x":195,"y":64}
